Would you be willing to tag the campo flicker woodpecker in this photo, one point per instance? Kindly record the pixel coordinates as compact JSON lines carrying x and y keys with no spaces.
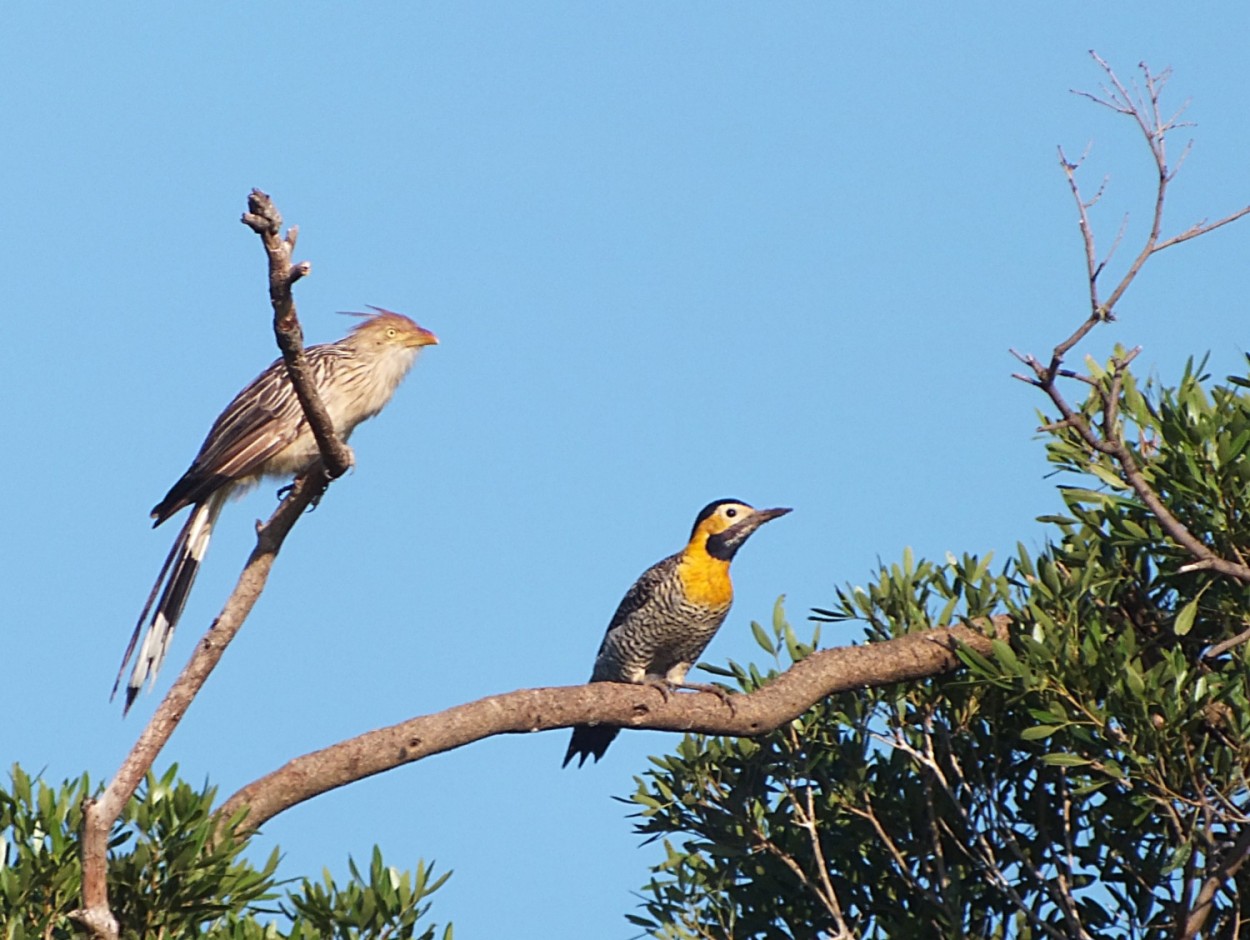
{"x":669,"y":616}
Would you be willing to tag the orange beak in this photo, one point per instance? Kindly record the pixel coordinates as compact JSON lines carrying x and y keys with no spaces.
{"x":422,"y":337}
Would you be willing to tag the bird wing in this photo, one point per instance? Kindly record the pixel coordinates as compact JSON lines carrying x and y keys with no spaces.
{"x":262,"y":419}
{"x":647,"y":592}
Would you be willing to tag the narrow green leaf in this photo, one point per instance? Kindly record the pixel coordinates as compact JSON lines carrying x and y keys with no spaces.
{"x":1185,"y":619}
{"x":1132,"y":677}
{"x":1038,"y":731}
{"x":762,"y":638}
{"x":1110,"y":477}
{"x":1006,"y":656}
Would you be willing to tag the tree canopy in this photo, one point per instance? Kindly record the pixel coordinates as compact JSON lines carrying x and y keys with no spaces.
{"x":1087,"y":780}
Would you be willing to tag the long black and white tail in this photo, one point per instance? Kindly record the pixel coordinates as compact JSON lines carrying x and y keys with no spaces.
{"x":173,"y":585}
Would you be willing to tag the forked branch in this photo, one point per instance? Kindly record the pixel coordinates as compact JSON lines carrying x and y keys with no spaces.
{"x":1144,"y":106}
{"x":263,"y":218}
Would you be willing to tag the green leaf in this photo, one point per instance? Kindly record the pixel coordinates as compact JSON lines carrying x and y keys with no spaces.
{"x":779,"y":615}
{"x":1185,"y":619}
{"x":1038,"y":732}
{"x":1110,"y":477}
{"x":1006,"y":657}
{"x":1133,"y":678}
{"x":762,"y":638}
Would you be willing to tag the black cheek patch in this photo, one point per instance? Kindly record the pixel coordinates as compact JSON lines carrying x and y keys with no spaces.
{"x":720,"y":547}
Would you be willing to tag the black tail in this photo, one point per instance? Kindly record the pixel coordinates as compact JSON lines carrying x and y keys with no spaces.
{"x":173,"y":585}
{"x":589,"y":741}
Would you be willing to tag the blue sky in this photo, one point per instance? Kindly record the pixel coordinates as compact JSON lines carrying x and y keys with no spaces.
{"x":673,"y":253}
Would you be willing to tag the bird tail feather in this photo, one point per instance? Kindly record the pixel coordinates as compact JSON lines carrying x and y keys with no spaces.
{"x":173,"y":585}
{"x":589,"y":741}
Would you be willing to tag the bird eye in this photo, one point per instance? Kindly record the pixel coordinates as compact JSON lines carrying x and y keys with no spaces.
{"x":390,"y":333}
{"x":731,"y":513}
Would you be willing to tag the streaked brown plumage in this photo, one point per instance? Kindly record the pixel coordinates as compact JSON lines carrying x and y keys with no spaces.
{"x":263,"y":433}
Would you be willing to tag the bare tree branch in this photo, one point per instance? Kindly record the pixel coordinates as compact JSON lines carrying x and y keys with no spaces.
{"x":1219,"y":649}
{"x":1144,"y":109}
{"x":1143,"y":106}
{"x":907,"y":658}
{"x":99,"y":814}
{"x":264,"y":219}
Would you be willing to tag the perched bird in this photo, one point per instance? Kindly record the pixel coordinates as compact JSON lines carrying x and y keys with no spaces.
{"x":263,"y":433}
{"x":669,"y":616}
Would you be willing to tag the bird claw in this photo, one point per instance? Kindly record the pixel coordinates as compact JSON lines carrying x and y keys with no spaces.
{"x":666,"y":688}
{"x":285,"y":491}
{"x":722,"y":694}
{"x":660,"y":684}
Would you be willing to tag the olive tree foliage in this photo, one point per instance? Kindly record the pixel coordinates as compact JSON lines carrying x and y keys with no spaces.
{"x":1088,"y":780}
{"x":175,"y":871}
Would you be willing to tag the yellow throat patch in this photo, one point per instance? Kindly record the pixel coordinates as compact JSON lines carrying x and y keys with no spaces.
{"x":704,"y":579}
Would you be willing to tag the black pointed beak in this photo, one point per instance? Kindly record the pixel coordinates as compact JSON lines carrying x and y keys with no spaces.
{"x":726,"y":544}
{"x":765,"y":515}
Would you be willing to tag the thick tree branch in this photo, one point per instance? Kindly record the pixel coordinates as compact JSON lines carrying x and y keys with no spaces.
{"x":907,"y":658}
{"x":100,"y":814}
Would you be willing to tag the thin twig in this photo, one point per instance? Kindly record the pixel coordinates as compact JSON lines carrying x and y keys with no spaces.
{"x":980,"y":852}
{"x":1132,"y":474}
{"x":1219,"y":649}
{"x":808,"y":820}
{"x":828,"y":900}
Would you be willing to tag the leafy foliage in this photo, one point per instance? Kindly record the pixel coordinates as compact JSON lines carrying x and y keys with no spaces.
{"x":174,"y":873}
{"x":1086,"y":781}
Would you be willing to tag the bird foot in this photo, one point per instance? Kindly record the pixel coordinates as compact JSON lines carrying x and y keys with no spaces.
{"x":660,"y":684}
{"x":285,"y":491}
{"x":722,"y":694}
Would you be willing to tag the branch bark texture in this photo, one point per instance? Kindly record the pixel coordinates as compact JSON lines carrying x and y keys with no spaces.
{"x":911,"y":657}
